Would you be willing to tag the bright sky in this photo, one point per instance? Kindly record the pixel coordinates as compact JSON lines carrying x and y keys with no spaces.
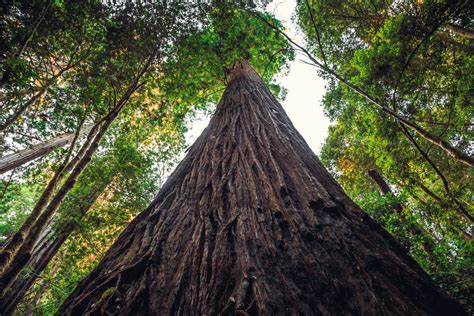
{"x":305,"y":90}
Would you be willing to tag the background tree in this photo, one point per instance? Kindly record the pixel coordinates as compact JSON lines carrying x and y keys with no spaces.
{"x":137,"y":60}
{"x":407,"y":55}
{"x":168,"y":93}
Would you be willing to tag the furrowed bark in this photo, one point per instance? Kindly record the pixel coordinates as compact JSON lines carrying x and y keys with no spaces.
{"x":250,"y":223}
{"x":21,"y":157}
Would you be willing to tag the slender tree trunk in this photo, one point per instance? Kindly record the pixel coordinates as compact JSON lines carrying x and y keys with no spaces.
{"x":45,"y":250}
{"x":22,"y":109}
{"x":463,"y":234}
{"x":25,"y":106}
{"x":23,"y":255}
{"x":459,"y":30}
{"x":42,"y":254}
{"x":384,"y":187}
{"x":11,"y":247}
{"x":21,"y":157}
{"x":43,"y":287}
{"x":434,"y":139}
{"x":250,"y":223}
{"x":7,"y":73}
{"x":448,"y":39}
{"x":451,"y":150}
{"x":415,"y":229}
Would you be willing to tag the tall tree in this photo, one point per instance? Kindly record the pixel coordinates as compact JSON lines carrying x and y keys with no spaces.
{"x":121,"y":173}
{"x":405,"y":55}
{"x":164,"y":103}
{"x":137,"y":62}
{"x":250,"y":222}
{"x":21,"y":157}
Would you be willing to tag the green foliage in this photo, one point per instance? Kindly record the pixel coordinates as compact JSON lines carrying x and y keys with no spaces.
{"x":85,"y":55}
{"x":16,"y":202}
{"x":403,"y":53}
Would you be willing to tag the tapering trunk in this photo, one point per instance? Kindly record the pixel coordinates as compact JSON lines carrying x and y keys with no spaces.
{"x":250,"y":222}
{"x":21,"y":157}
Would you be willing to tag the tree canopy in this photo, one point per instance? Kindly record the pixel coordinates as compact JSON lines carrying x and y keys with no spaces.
{"x":137,"y":72}
{"x":415,"y":59}
{"x":124,"y":79}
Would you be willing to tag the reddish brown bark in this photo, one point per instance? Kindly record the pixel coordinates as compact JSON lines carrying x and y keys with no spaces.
{"x":250,"y":222}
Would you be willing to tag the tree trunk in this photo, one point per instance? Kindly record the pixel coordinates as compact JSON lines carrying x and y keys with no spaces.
{"x":414,"y":228}
{"x":21,"y":157}
{"x":250,"y":222}
{"x":451,"y":150}
{"x":383,"y":187}
{"x":7,"y":73}
{"x":42,"y":254}
{"x":11,"y":247}
{"x":459,"y":30}
{"x":24,"y":253}
{"x":25,"y":106}
{"x":44,"y":251}
{"x":448,"y":39}
{"x":32,"y":304}
{"x":12,"y":269}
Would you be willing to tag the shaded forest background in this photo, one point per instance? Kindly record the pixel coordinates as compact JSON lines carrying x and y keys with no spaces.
{"x":121,"y":81}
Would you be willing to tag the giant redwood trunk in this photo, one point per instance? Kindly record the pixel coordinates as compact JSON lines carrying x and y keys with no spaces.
{"x":250,"y":222}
